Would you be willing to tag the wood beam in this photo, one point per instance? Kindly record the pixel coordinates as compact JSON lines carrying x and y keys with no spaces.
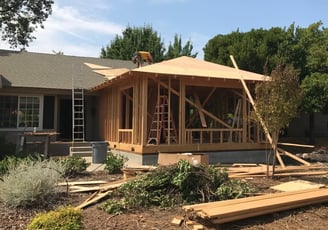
{"x":192,"y":118}
{"x":200,"y":112}
{"x":182,"y":113}
{"x":193,"y":104}
{"x":249,"y":95}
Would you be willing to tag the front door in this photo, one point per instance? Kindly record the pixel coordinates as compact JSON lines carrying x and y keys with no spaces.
{"x":65,"y":119}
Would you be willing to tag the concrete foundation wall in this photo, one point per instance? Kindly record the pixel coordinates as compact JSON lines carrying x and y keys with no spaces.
{"x":255,"y":156}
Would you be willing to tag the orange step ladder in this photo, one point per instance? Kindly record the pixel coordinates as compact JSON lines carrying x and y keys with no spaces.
{"x":162,"y":126}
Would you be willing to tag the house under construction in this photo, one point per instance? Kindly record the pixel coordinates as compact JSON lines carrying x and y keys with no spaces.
{"x":179,"y":106}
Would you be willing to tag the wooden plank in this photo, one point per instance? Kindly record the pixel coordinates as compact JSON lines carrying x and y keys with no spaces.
{"x":93,"y":200}
{"x":293,"y":156}
{"x":83,"y":182}
{"x":249,"y":95}
{"x":200,"y":112}
{"x":297,"y":145}
{"x":261,"y":212}
{"x":263,"y":204}
{"x":209,"y":205}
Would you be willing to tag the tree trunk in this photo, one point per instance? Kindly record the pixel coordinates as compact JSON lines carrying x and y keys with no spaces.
{"x":311,"y":128}
{"x":275,"y":136}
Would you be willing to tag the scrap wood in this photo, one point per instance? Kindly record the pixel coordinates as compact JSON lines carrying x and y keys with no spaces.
{"x":293,"y":156}
{"x":261,"y":170}
{"x":102,"y":187}
{"x":297,"y":145}
{"x":231,"y":210}
{"x":93,"y":199}
{"x":83,"y":182}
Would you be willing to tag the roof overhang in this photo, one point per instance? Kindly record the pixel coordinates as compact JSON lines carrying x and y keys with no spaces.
{"x":182,"y":66}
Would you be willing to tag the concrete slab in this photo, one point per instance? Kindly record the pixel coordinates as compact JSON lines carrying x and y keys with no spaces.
{"x":94,"y":167}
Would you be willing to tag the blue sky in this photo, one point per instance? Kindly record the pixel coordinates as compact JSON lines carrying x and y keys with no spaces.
{"x":82,"y":27}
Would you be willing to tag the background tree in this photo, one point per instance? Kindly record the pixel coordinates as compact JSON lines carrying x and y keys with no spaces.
{"x":176,"y":50}
{"x":277,"y":101}
{"x":135,"y":39}
{"x":144,"y":39}
{"x":316,"y":98}
{"x":254,"y":49}
{"x":19,"y":19}
{"x":312,"y":58}
{"x":261,"y":50}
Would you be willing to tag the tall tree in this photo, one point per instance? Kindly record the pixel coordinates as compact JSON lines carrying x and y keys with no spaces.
{"x":19,"y":19}
{"x":176,"y":50}
{"x":135,"y":39}
{"x":255,"y":50}
{"x":261,"y":50}
{"x":277,"y":101}
{"x":316,"y":98}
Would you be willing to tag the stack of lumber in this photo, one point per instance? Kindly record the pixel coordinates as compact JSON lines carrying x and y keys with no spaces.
{"x":254,"y":170}
{"x":232,"y":210}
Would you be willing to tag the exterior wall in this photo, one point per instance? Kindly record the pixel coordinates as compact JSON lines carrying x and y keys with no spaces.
{"x":299,"y":127}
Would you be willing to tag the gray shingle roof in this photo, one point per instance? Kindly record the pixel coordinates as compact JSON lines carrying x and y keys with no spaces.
{"x":26,"y":69}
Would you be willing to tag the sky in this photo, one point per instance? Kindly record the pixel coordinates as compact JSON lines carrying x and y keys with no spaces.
{"x":83,"y":27}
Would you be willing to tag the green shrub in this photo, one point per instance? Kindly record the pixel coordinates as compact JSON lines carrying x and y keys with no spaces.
{"x":74,"y":165}
{"x":175,"y":185}
{"x":114,"y":163}
{"x":30,"y":183}
{"x":64,"y":218}
{"x":232,"y":189}
{"x":12,"y":161}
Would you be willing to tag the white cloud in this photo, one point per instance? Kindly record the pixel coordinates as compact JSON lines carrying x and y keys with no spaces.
{"x":73,"y":32}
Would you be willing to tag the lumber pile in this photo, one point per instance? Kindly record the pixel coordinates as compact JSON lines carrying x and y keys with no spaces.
{"x":237,"y":209}
{"x":260,"y":170}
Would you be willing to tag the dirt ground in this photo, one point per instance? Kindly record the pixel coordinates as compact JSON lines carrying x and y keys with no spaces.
{"x":310,"y":217}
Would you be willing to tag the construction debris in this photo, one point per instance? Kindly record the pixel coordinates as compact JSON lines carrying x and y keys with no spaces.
{"x":101,"y":189}
{"x":177,"y":220}
{"x":261,"y":170}
{"x":236,"y":209}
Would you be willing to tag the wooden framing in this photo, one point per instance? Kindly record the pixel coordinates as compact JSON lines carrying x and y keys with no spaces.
{"x":198,"y":106}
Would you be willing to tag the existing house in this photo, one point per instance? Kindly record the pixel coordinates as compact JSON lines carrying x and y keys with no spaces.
{"x":180,"y":105}
{"x":36,"y":91}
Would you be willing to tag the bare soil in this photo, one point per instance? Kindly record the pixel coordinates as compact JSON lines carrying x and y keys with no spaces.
{"x":310,"y":217}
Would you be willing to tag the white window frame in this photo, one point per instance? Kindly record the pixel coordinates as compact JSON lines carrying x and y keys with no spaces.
{"x":40,"y":122}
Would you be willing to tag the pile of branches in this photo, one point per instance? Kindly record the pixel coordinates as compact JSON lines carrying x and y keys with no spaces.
{"x":182,"y":183}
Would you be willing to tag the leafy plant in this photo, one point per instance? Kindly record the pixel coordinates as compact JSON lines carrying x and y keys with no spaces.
{"x":174,"y":185}
{"x":114,"y":163}
{"x":63,"y":218}
{"x":30,"y":183}
{"x":11,"y":161}
{"x":74,"y":165}
{"x":232,"y":189}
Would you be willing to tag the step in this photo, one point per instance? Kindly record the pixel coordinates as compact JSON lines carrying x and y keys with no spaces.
{"x":82,"y":151}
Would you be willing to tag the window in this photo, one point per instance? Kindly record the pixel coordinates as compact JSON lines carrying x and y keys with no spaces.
{"x":19,"y":111}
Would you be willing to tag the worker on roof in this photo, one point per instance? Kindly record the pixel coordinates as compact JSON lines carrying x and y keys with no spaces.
{"x":140,"y":57}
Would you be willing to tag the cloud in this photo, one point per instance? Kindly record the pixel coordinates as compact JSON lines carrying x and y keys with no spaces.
{"x":70,"y":31}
